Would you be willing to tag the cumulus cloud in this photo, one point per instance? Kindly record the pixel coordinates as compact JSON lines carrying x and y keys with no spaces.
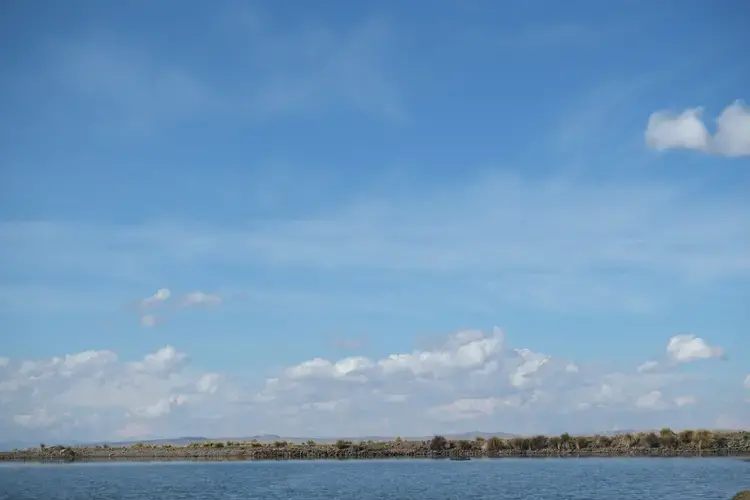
{"x":687,"y":348}
{"x":95,"y":395}
{"x":470,"y":380}
{"x":666,"y":130}
{"x":669,"y":131}
{"x":164,"y":361}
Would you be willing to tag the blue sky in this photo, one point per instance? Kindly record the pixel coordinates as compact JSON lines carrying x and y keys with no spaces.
{"x":353,"y":181}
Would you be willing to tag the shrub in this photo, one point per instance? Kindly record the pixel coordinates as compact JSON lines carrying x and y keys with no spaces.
{"x":625,"y":440}
{"x":465,"y":444}
{"x":538,"y":442}
{"x":649,"y":440}
{"x":342,"y":444}
{"x":582,"y":442}
{"x":495,"y":445}
{"x":518,"y":443}
{"x":702,"y":438}
{"x":603,"y":441}
{"x":554,"y":442}
{"x":667,"y":438}
{"x":685,"y":437}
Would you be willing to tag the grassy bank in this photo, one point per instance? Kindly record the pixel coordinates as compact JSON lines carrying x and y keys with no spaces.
{"x":664,"y":443}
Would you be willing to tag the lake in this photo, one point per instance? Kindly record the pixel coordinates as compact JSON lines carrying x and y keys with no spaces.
{"x":522,"y":479}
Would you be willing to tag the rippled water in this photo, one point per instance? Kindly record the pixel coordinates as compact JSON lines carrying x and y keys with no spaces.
{"x":527,"y":479}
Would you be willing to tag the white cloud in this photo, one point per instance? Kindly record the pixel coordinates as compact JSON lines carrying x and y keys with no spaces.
{"x":159,"y":297}
{"x":165,"y":361}
{"x":732,"y":137}
{"x":687,"y":131}
{"x":208,"y":383}
{"x":686,"y":348}
{"x":94,"y":395}
{"x":35,"y":419}
{"x":149,"y":320}
{"x":647,"y":366}
{"x":469,"y":381}
{"x":685,"y":400}
{"x":668,"y":131}
{"x":198,"y":298}
{"x":650,"y":401}
{"x":747,"y":382}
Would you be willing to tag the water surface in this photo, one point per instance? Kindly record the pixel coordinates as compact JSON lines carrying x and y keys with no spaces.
{"x":521,"y":479}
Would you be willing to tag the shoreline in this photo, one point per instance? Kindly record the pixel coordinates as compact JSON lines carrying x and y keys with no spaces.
{"x":667,"y":444}
{"x":744,"y":457}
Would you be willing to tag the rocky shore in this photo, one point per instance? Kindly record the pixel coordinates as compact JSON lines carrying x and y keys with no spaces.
{"x":663,"y":444}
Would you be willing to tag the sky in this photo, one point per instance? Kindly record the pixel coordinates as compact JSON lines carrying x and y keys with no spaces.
{"x":372,"y":218}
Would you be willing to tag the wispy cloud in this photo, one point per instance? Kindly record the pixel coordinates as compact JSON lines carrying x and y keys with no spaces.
{"x":158,"y":298}
{"x":319,"y":68}
{"x":126,"y":82}
{"x":198,"y":299}
{"x":502,"y":231}
{"x":275,"y":73}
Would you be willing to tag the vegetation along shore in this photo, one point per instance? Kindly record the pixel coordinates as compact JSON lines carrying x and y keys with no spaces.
{"x":665,"y":443}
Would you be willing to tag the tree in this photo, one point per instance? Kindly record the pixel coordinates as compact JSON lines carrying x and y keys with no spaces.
{"x":438,"y":443}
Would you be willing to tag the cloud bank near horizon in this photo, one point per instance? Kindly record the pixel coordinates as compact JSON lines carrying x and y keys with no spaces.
{"x":472,"y":380}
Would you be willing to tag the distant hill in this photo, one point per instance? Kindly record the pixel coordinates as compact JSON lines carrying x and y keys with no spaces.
{"x":263,"y":438}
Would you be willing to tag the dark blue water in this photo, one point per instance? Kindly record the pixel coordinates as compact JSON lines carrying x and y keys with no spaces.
{"x":559,"y":479}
